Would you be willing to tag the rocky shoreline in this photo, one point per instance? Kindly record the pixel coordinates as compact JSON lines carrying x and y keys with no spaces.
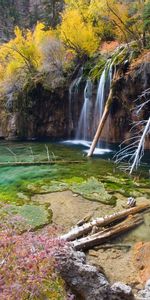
{"x":88,"y":282}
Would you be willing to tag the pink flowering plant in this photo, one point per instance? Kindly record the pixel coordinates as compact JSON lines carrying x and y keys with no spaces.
{"x":27,"y":264}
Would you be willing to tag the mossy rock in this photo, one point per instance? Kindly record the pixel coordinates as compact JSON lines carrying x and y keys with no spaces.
{"x":114,"y":179}
{"x":23,"y":196}
{"x":92,"y":189}
{"x":34,"y":215}
{"x":54,"y":186}
{"x":73,"y":180}
{"x":136,"y":193}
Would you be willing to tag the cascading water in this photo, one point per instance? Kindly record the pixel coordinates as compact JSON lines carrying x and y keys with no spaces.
{"x":99,"y":104}
{"x":73,"y":94}
{"x":91,"y":113}
{"x":102,"y":93}
{"x":84,"y":125}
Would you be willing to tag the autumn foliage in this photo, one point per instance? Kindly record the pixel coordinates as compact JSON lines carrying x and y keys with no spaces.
{"x":27,"y":264}
{"x":85,"y":26}
{"x":30,"y":54}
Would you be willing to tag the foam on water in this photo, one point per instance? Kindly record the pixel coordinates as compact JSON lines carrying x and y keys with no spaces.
{"x":100,"y":151}
{"x":77,"y":142}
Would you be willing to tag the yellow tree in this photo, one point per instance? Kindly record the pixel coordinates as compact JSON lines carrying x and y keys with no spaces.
{"x":99,"y":19}
{"x":78,"y":33}
{"x":22,"y":57}
{"x":31,"y":55}
{"x":111,"y":18}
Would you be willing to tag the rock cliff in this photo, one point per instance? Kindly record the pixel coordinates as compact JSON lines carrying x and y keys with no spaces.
{"x":127,"y":90}
{"x":40,"y":113}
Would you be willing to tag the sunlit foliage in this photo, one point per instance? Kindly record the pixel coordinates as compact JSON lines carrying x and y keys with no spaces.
{"x":108,"y":20}
{"x":28,"y":54}
{"x":85,"y":26}
{"x":86,"y":23}
{"x":78,"y":34}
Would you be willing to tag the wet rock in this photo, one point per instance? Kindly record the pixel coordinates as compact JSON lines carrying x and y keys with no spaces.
{"x":128,"y":87}
{"x":121,"y":291}
{"x":144,"y":294}
{"x":86,"y":281}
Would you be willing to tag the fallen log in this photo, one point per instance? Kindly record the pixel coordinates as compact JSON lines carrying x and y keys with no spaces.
{"x":102,"y":236}
{"x":79,"y":231}
{"x":19,"y":163}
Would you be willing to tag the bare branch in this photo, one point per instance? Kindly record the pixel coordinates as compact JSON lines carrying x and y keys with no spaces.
{"x":134,"y":151}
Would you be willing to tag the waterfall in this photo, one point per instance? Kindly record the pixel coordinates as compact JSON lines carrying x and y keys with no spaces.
{"x":92,"y":111}
{"x":73,"y":94}
{"x":102,"y":94}
{"x":83,"y":130}
{"x":99,"y":104}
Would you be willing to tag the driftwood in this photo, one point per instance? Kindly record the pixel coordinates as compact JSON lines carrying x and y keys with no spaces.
{"x":109,"y":233}
{"x":86,"y":281}
{"x":107,"y":227}
{"x":79,"y":231}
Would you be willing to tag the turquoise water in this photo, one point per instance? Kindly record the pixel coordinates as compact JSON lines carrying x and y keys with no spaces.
{"x":16,"y":178}
{"x":19,"y":183}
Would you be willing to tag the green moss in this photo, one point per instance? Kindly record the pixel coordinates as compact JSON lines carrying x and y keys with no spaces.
{"x":51,"y":186}
{"x":73,"y":180}
{"x":97,"y":70}
{"x":54,"y":186}
{"x":35,"y":216}
{"x":92,"y":189}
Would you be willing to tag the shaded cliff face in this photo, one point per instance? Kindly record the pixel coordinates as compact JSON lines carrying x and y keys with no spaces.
{"x":26,"y":13}
{"x":127,"y":90}
{"x":39,"y":114}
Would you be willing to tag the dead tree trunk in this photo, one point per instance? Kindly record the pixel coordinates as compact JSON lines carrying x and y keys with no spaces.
{"x":106,"y":234}
{"x":102,"y":121}
{"x":79,"y":231}
{"x":109,"y":101}
{"x":84,"y":236}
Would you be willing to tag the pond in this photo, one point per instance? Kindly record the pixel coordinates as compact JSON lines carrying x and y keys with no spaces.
{"x":65,"y":167}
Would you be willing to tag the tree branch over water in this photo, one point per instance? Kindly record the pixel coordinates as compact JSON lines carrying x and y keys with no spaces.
{"x":134,"y":151}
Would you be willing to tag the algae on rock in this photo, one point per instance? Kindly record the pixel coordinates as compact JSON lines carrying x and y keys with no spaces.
{"x":34,"y":216}
{"x":92,"y":189}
